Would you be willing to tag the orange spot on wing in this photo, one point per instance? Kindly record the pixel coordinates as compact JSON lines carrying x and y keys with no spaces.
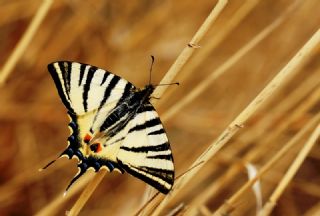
{"x":87,"y":138}
{"x":99,"y":148}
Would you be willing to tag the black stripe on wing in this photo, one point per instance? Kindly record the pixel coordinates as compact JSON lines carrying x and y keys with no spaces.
{"x":145,"y":108}
{"x":165,"y":175}
{"x":65,"y":68}
{"x":86,"y":87}
{"x":161,"y":147}
{"x":157,"y":132}
{"x":161,"y":156}
{"x":82,"y":69}
{"x":69,"y":66}
{"x":125,"y":94}
{"x":146,"y":124}
{"x":63,"y":95}
{"x":105,"y":76}
{"x":107,"y":92}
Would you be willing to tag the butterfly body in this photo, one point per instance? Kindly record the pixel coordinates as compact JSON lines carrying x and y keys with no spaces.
{"x":113,"y":125}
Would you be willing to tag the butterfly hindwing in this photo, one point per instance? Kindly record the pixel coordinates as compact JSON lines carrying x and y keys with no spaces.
{"x":145,"y":152}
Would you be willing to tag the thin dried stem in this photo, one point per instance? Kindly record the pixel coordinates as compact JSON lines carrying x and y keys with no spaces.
{"x":54,"y":206}
{"x":267,"y":209}
{"x":217,"y":37}
{"x":298,"y":94}
{"x":25,"y":177}
{"x":173,"y":71}
{"x":200,"y":88}
{"x":152,"y":18}
{"x":85,"y":195}
{"x":25,"y":40}
{"x":258,"y":151}
{"x":314,"y":210}
{"x":190,"y":48}
{"x":279,"y":80}
{"x":230,"y":203}
{"x":204,"y":210}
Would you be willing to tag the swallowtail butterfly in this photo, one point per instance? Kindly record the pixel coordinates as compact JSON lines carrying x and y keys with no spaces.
{"x":113,"y":125}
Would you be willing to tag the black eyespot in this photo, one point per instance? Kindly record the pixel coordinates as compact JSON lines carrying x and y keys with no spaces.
{"x":94,"y":147}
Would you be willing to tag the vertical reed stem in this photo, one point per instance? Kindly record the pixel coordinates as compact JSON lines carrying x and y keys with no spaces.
{"x":25,"y":40}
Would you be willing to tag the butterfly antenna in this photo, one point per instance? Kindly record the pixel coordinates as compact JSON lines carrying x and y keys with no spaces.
{"x":175,"y":83}
{"x":152,"y":61}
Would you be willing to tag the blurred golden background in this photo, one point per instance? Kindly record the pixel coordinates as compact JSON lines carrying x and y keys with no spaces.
{"x":248,"y":44}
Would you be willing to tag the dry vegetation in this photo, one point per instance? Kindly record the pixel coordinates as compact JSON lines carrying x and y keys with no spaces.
{"x":248,"y":97}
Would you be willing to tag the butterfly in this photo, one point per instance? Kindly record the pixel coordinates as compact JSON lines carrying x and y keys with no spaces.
{"x":113,"y":125}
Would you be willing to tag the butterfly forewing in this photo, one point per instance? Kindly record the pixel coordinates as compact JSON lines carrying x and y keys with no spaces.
{"x":89,"y":94}
{"x":84,"y":88}
{"x":113,"y":124}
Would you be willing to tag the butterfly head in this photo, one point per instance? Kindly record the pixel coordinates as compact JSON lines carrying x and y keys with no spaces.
{"x":144,"y":93}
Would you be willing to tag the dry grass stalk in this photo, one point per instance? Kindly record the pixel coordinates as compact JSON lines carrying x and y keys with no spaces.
{"x":205,"y":211}
{"x":177,"y":210}
{"x":230,"y":204}
{"x":27,"y":146}
{"x":190,"y":48}
{"x":309,"y":101}
{"x":53,"y":206}
{"x":28,"y":176}
{"x":152,"y":19}
{"x":201,"y":87}
{"x":214,"y":188}
{"x":173,"y":71}
{"x":218,"y":37}
{"x":299,"y":94}
{"x":257,"y":152}
{"x":268,"y":207}
{"x":315,"y":210}
{"x":25,"y":40}
{"x":87,"y":192}
{"x":12,"y":10}
{"x":280,"y":79}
